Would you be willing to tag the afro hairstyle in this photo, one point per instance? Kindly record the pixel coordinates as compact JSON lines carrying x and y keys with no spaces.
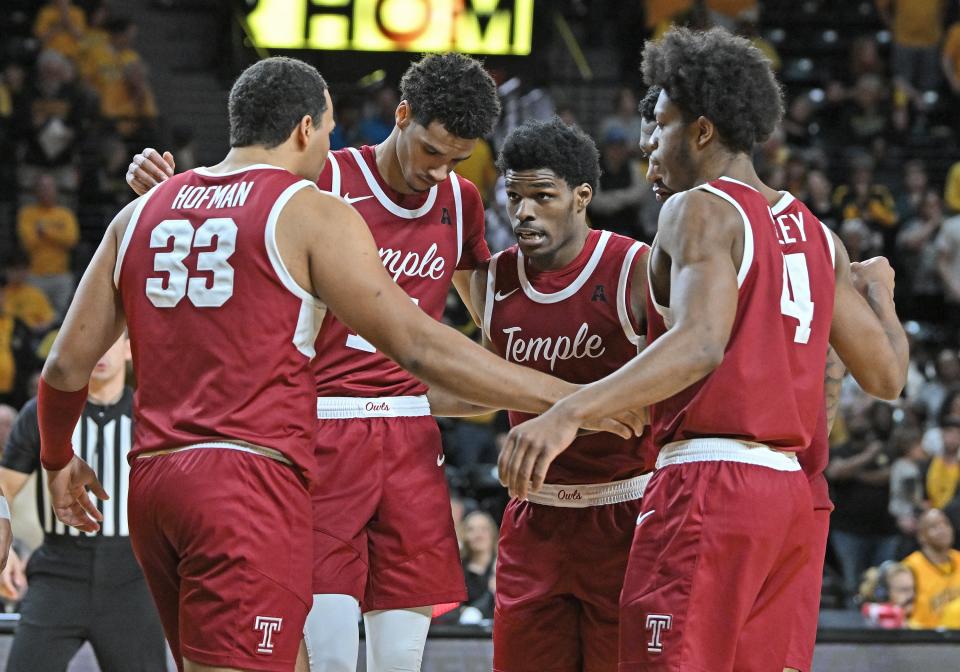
{"x":566,"y":150}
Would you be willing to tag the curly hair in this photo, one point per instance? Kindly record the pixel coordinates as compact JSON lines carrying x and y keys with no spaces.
{"x":270,"y":98}
{"x":566,"y":150}
{"x":648,"y":103}
{"x":721,"y":77}
{"x":453,"y":90}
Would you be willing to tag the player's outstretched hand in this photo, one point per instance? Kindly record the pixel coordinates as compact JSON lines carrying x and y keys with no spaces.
{"x":69,"y":497}
{"x":13,"y":578}
{"x":148,"y":169}
{"x":531,"y":448}
{"x":6,"y":538}
{"x":873,"y":271}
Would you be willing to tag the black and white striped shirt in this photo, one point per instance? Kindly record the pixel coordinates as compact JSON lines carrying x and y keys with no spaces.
{"x":103,"y":439}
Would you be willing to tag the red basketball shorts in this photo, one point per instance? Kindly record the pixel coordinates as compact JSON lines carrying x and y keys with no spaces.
{"x":806,"y":599}
{"x":382,"y":526}
{"x":223,"y":537}
{"x":559,"y":575}
{"x":717,"y":550}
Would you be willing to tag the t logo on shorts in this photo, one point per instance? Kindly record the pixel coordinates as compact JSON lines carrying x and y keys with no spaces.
{"x":267,"y":625}
{"x":656,"y":624}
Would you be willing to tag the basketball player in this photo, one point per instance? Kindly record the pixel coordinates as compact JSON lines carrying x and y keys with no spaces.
{"x":569,"y":301}
{"x":220,"y":507}
{"x":384,"y":537}
{"x":738,"y":336}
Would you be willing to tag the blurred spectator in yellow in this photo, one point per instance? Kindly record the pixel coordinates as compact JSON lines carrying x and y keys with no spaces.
{"x":134,"y":113}
{"x":48,"y":232}
{"x":936,"y":570}
{"x":95,"y":41}
{"x":887,"y":594}
{"x":12,"y":80}
{"x":105,"y":64}
{"x":950,"y":59}
{"x":23,"y":300}
{"x":17,"y":359}
{"x":480,"y":169}
{"x":951,"y":192}
{"x":944,"y":472}
{"x":917,"y":27}
{"x":867,"y":200}
{"x":60,"y":26}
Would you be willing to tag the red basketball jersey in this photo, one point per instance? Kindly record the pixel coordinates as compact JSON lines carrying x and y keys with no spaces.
{"x":423,"y":239}
{"x":574,"y":323}
{"x":221,"y":334}
{"x":769,"y":386}
{"x":795,"y":222}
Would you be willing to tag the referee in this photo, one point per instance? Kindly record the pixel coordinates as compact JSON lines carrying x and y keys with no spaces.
{"x":84,"y":587}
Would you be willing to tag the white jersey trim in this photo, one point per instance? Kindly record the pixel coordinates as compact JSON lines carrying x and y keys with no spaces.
{"x":341,"y":408}
{"x":240,"y":446}
{"x":786,"y":198}
{"x":747,"y":229}
{"x":384,"y":199}
{"x":623,"y":305}
{"x":491,"y":287}
{"x":742,"y":184}
{"x":128,"y":234}
{"x":458,"y":212}
{"x":206,"y":172}
{"x":573,"y":287}
{"x":830,"y":244}
{"x":334,"y":175}
{"x":312,"y":309}
{"x":663,"y":311}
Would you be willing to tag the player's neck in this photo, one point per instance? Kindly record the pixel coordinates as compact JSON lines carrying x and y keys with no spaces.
{"x":739,"y":166}
{"x":565,"y":254}
{"x":388,"y":163}
{"x":241,"y":157}
{"x":106,"y":392}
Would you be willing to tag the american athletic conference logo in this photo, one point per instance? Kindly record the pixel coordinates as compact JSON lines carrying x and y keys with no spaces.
{"x":267,"y":625}
{"x":656,"y":624}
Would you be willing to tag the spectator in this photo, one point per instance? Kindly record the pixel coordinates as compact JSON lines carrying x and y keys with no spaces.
{"x":888,"y":593}
{"x":12,"y":80}
{"x":479,"y":561}
{"x":917,"y":27}
{"x":106,"y":65}
{"x":621,"y":189}
{"x":866,"y":116}
{"x":480,"y":169}
{"x":24,"y":301}
{"x":54,"y":110}
{"x":906,"y":480}
{"x":944,"y":471}
{"x":133,"y":109}
{"x":861,"y":242}
{"x":948,"y":267}
{"x":379,"y":119}
{"x":60,"y":26}
{"x":819,"y":199}
{"x":919,"y":288}
{"x":936,"y":571}
{"x":951,"y":63}
{"x":48,"y":232}
{"x":934,"y":393}
{"x":869,"y":201}
{"x":625,"y":119}
{"x":951,"y":192}
{"x":798,"y":123}
{"x":915,"y":188}
{"x":17,"y":359}
{"x":863,"y":533}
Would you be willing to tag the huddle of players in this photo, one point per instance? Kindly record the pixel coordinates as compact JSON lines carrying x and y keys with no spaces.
{"x":738,"y":300}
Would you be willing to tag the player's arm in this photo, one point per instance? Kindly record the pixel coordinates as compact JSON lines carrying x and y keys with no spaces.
{"x":461,"y":282}
{"x":698,"y":233}
{"x":639,"y":281}
{"x":93,"y":323}
{"x":832,"y":382}
{"x":148,"y":169}
{"x":346,"y":273}
{"x":866,"y":332}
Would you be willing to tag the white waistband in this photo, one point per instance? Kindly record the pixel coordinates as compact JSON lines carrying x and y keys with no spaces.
{"x":337,"y":408}
{"x":590,"y":494}
{"x":726,"y":450}
{"x":240,"y":446}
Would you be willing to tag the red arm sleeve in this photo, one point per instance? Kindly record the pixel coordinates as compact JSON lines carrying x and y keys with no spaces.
{"x":58,"y":413}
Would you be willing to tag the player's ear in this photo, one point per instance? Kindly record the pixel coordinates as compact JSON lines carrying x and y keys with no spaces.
{"x":706,"y":131}
{"x":304,"y":130}
{"x":403,"y":115}
{"x":582,"y":196}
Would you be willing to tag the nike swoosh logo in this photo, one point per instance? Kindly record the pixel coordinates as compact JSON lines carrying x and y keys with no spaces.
{"x":441,"y":458}
{"x":347,"y":198}
{"x":500,"y":296}
{"x":643,"y":516}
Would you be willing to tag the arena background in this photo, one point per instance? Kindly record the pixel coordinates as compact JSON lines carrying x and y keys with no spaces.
{"x":870,"y":142}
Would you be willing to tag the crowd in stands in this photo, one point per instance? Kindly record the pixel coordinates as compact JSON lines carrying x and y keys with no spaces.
{"x":76,"y":103}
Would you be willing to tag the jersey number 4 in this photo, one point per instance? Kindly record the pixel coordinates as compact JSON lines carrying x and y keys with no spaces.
{"x":796,"y":282}
{"x":185,"y":239}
